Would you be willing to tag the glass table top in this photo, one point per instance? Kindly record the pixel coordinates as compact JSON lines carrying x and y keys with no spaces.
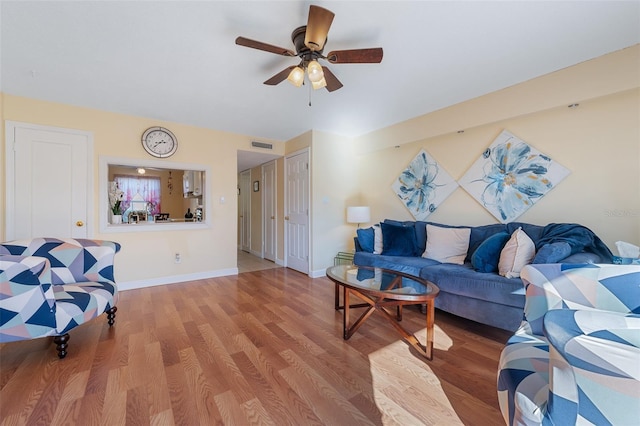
{"x":381,"y":281}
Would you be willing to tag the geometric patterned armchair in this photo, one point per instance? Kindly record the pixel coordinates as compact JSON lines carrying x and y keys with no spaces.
{"x":49,"y":286}
{"x":576,"y":357}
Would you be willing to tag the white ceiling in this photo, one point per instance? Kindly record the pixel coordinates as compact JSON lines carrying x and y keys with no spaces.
{"x":177,"y":61}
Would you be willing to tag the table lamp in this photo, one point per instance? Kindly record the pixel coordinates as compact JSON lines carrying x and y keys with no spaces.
{"x":358,"y":214}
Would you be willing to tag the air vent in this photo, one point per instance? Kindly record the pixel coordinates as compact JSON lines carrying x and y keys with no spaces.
{"x":261,"y":145}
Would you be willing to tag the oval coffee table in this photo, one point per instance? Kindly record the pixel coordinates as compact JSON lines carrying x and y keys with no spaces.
{"x":382,"y":289}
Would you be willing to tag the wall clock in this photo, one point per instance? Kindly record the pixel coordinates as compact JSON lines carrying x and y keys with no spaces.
{"x":159,"y":142}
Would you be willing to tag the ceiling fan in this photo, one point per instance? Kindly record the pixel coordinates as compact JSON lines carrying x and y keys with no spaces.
{"x":309,"y":41}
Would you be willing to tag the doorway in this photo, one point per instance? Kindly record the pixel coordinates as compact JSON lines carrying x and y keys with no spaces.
{"x":244,"y":211}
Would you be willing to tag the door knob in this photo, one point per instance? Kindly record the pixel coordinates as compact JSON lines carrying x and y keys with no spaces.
{"x":273,"y":217}
{"x":286,"y":218}
{"x":79,"y":224}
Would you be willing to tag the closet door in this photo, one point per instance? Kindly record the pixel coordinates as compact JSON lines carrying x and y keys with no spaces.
{"x":297,"y":211}
{"x":269,"y":210}
{"x":48,"y":182}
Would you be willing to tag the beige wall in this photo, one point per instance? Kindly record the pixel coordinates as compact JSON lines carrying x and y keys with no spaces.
{"x":599,"y":142}
{"x":334,"y":186}
{"x":148,"y":257}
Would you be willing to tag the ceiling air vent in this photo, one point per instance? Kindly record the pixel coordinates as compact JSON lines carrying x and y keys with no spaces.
{"x":261,"y":145}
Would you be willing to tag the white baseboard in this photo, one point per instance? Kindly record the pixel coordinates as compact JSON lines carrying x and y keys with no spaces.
{"x":318,"y":273}
{"x":131,"y":285}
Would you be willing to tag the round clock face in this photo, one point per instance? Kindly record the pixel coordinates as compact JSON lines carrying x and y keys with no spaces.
{"x":159,"y":142}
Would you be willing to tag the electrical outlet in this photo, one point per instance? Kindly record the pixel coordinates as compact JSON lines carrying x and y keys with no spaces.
{"x":178,"y":258}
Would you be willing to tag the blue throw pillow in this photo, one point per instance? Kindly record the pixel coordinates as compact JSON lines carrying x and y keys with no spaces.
{"x":552,"y":253}
{"x":366,"y":239}
{"x":398,"y":240}
{"x":487,"y":255}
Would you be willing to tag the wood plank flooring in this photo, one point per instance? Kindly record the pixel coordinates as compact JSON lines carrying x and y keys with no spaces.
{"x":259,"y":348}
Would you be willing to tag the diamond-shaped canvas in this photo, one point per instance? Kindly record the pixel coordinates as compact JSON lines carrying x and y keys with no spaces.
{"x":510,"y":176}
{"x":423,"y":185}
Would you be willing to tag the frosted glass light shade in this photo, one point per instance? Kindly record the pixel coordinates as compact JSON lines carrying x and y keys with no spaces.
{"x":314,"y":70}
{"x":296,"y":76}
{"x":358,"y":214}
{"x":319,"y":84}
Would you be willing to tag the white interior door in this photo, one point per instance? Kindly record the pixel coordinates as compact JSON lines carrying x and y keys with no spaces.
{"x":49,"y":188}
{"x":297,"y":211}
{"x":244,"y":211}
{"x":269,"y":210}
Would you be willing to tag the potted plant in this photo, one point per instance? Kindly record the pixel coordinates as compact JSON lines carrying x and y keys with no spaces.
{"x":115,"y":202}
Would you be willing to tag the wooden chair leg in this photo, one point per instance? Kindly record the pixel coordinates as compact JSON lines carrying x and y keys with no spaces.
{"x":61,"y":344}
{"x":111,"y":315}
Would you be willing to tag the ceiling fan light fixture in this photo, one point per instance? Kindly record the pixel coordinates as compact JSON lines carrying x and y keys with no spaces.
{"x":296,"y":76}
{"x":314,"y":70}
{"x":319,"y":84}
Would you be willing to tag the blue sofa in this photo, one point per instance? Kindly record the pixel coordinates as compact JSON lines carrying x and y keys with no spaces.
{"x":485,"y":297}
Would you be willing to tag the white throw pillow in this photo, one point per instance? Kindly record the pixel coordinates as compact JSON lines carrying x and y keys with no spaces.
{"x":518,"y":252}
{"x":377,"y":239}
{"x":447,"y":245}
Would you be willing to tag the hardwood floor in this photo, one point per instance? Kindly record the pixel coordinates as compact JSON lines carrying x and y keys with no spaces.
{"x":261,"y":347}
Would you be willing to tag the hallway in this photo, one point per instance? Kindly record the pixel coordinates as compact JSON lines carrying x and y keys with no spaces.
{"x":247,"y":262}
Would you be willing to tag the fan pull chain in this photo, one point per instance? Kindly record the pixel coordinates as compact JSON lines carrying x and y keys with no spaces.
{"x":309,"y":85}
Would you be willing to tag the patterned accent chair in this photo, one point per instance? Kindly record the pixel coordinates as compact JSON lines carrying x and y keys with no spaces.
{"x":48,"y":286}
{"x":576,"y":357}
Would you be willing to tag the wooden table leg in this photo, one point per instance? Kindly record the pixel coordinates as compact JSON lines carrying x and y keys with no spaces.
{"x":431,"y":312}
{"x":345,"y":316}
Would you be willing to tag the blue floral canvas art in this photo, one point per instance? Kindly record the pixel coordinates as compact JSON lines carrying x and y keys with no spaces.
{"x":423,"y":185}
{"x":511,"y":176}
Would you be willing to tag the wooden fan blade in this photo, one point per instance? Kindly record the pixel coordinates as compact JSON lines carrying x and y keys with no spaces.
{"x":242,"y":41}
{"x":318,"y":25}
{"x":332,"y":81}
{"x":280,"y":77}
{"x":356,"y":56}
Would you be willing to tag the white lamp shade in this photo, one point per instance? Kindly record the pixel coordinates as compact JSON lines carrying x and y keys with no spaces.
{"x":358,"y":214}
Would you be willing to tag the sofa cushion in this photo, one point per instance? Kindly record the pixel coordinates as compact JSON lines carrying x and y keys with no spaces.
{"x":411,"y":265}
{"x":486,"y":256}
{"x":462,"y":280}
{"x":398,"y":240}
{"x":421,"y":230}
{"x":377,"y":239}
{"x":518,"y":252}
{"x":366,"y":238}
{"x":552,"y":253}
{"x":481,"y":233}
{"x":447,"y":245}
{"x":418,"y":228}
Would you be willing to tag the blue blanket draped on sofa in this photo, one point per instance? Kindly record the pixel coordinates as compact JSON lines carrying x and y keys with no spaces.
{"x":579,"y":237}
